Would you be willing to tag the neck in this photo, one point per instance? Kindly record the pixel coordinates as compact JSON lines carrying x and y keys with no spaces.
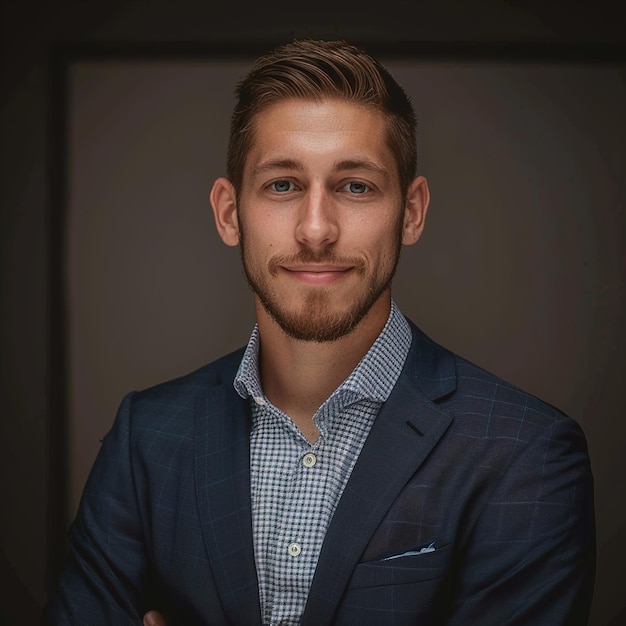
{"x":298,"y":376}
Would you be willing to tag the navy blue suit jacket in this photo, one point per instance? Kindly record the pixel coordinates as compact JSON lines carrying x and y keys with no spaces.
{"x":496,"y":481}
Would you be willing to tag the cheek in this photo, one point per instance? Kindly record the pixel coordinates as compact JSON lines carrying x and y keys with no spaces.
{"x":259,"y":244}
{"x":380,"y":241}
{"x":384,"y":248}
{"x":271,"y":235}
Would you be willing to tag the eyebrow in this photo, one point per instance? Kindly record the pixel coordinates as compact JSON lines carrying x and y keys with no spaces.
{"x":362,"y":164}
{"x":277,"y":164}
{"x":340,"y":166}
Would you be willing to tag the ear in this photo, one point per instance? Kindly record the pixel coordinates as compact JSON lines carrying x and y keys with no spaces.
{"x":415,"y":209}
{"x":224,"y":202}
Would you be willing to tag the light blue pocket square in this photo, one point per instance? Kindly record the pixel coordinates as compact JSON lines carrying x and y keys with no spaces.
{"x":429,"y":548}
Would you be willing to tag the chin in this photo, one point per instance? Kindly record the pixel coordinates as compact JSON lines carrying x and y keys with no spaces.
{"x":315,"y":321}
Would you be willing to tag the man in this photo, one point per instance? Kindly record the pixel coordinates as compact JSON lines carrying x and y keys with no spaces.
{"x":343,"y":468}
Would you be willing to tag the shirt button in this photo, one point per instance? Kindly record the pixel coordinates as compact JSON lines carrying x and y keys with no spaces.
{"x":259,"y":400}
{"x":294,"y":549}
{"x":309,"y":460}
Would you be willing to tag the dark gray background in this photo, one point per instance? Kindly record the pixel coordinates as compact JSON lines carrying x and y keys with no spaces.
{"x":521,"y":267}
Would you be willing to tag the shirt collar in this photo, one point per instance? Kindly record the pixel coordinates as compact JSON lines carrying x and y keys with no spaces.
{"x":372,"y":379}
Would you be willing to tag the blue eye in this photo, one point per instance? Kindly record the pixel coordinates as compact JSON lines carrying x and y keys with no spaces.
{"x":356,"y":188}
{"x":282,"y":186}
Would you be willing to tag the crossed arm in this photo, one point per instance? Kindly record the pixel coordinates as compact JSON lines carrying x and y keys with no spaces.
{"x":152,"y":618}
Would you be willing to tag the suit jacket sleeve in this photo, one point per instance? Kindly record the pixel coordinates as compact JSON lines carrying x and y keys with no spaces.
{"x":531,"y":559}
{"x":106,"y":570}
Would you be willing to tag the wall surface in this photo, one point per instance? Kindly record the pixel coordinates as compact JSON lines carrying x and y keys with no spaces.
{"x":562,"y":169}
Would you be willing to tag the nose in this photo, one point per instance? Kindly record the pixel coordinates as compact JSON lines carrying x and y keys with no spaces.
{"x":317,"y":225}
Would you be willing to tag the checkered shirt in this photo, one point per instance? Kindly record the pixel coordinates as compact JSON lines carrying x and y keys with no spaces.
{"x":296,"y":485}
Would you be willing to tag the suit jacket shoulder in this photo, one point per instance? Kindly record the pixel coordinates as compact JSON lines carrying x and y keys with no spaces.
{"x":464,"y":388}
{"x":184,"y":396}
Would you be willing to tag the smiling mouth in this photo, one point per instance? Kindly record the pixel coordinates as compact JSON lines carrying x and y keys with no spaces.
{"x":317,"y":274}
{"x":316,"y":267}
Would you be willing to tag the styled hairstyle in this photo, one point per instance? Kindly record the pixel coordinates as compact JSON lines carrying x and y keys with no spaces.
{"x":316,"y":70}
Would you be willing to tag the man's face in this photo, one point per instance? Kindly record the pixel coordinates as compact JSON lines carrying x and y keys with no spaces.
{"x":320,"y":217}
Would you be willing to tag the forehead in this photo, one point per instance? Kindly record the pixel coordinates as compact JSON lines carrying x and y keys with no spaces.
{"x":326,"y":127}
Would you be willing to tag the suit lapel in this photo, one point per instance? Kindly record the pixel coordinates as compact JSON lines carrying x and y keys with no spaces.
{"x":407,"y":428}
{"x":222,"y":469}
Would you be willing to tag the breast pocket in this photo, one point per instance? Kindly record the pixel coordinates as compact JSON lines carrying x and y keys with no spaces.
{"x":414,"y":568}
{"x":395,"y":592}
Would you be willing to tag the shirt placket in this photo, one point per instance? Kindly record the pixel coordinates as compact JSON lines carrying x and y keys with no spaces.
{"x":300,"y":534}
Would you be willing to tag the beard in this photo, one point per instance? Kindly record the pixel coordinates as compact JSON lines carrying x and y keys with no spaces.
{"x":316,"y":319}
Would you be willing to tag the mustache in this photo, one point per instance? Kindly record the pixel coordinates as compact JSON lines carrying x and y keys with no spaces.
{"x":326,"y":257}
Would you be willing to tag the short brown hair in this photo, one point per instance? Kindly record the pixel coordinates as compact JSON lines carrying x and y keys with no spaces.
{"x":314,"y":70}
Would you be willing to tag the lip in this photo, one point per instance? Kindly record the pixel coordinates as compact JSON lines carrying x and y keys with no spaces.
{"x":317,"y":274}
